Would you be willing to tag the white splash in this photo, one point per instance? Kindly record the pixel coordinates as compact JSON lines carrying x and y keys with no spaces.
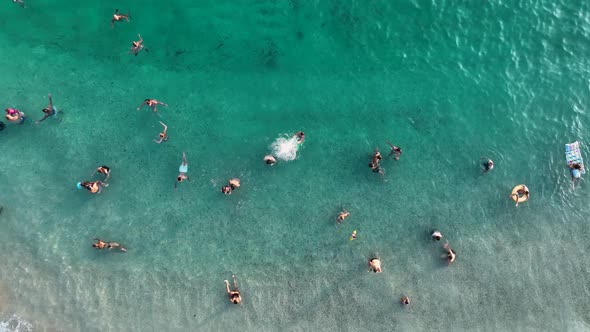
{"x":285,"y":148}
{"x":15,"y":324}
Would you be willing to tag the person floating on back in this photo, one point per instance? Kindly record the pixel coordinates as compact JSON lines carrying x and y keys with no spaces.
{"x":137,"y":46}
{"x":49,"y":110}
{"x":163,"y":136}
{"x":182,"y":170}
{"x":152,"y":103}
{"x":15,"y":116}
{"x":396,"y":152}
{"x":119,"y":17}
{"x":234,"y":295}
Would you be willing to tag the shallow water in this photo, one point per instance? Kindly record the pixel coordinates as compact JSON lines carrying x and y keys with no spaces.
{"x":447,"y":82}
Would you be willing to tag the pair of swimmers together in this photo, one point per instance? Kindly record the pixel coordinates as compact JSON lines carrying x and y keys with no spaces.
{"x":396,"y":152}
{"x":270,"y":160}
{"x":95,"y":187}
{"x":100,"y":244}
{"x":450,"y":254}
{"x":16,"y":116}
{"x":231,"y":185}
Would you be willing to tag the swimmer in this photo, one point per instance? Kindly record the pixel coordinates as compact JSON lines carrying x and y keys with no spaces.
{"x":14,"y":115}
{"x":226,"y":190}
{"x":353,"y":235}
{"x":376,"y":157}
{"x":163,"y":136}
{"x":436,"y":235}
{"x":574,"y":166}
{"x":342,"y":215}
{"x":182,"y":170}
{"x":234,"y":183}
{"x":520,"y":192}
{"x":396,"y":152}
{"x":106,"y":170}
{"x":94,"y":187}
{"x":20,"y":2}
{"x":2,"y":126}
{"x":375,"y":168}
{"x":100,"y":244}
{"x":119,"y":17}
{"x":375,"y":265}
{"x":405,"y":300}
{"x":450,"y":255}
{"x":49,"y":110}
{"x":137,"y":46}
{"x":486,"y":164}
{"x":111,"y":245}
{"x":300,"y":137}
{"x":270,"y":159}
{"x":152,"y":103}
{"x":234,"y":295}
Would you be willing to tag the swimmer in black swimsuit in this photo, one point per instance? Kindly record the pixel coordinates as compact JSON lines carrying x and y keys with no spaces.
{"x":2,"y":125}
{"x":234,"y":295}
{"x":106,"y":170}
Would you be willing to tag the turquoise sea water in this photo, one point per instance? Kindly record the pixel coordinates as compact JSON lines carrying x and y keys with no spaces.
{"x":449,"y":82}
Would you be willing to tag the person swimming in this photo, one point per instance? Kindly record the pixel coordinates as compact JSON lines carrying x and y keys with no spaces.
{"x":49,"y":110}
{"x":450,"y":255}
{"x":99,"y":244}
{"x":395,"y":151}
{"x":486,"y":164}
{"x":20,"y":2}
{"x":105,"y":170}
{"x":436,"y":235}
{"x":14,"y":115}
{"x":300,"y":137}
{"x":163,"y":136}
{"x":234,"y":295}
{"x":234,"y":183}
{"x":137,"y":46}
{"x":270,"y":159}
{"x":375,"y":265}
{"x":405,"y":300}
{"x":352,"y":235}
{"x":575,"y":170}
{"x":376,"y":158}
{"x":119,"y":17}
{"x":153,"y":103}
{"x":342,"y":215}
{"x":182,"y":170}
{"x":95,"y":187}
{"x":226,"y":190}
{"x":2,"y":125}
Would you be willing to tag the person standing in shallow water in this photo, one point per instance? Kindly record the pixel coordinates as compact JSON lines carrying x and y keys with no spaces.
{"x":182,"y":170}
{"x":234,"y":295}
